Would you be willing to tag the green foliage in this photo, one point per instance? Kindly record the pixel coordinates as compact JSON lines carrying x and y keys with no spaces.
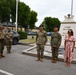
{"x":26,"y":17}
{"x":33,"y":19}
{"x":23,"y":35}
{"x":49,"y":23}
{"x":4,"y":11}
{"x":13,"y":10}
{"x":23,"y":15}
{"x":7,"y":7}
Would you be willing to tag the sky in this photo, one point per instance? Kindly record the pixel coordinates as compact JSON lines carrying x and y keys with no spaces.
{"x":52,"y":8}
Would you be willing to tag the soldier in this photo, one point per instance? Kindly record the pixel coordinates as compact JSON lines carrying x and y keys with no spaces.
{"x":41,"y":39}
{"x":55,"y":44}
{"x":9,"y":36}
{"x":1,"y":41}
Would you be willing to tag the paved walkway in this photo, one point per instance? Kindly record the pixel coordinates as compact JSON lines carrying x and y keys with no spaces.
{"x":18,"y":64}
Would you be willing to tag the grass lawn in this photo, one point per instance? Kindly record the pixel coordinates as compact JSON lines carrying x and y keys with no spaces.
{"x":30,"y":40}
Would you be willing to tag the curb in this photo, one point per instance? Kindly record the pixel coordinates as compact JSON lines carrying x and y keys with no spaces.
{"x":35,"y":55}
{"x":47,"y":57}
{"x":27,"y":44}
{"x":30,"y":44}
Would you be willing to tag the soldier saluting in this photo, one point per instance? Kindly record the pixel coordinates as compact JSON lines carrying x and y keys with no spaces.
{"x":55,"y":44}
{"x":41,"y":39}
{"x":1,"y":42}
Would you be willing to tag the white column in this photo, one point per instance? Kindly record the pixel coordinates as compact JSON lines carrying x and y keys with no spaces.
{"x":71,"y":7}
{"x":16,"y":14}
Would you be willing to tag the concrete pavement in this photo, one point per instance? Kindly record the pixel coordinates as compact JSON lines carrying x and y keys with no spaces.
{"x":47,"y":53}
{"x":18,"y":64}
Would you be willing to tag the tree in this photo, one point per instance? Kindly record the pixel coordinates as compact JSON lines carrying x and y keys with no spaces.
{"x":4,"y":11}
{"x":13,"y":10}
{"x":33,"y":19}
{"x":23,"y":15}
{"x":49,"y":23}
{"x":56,"y":22}
{"x":7,"y":7}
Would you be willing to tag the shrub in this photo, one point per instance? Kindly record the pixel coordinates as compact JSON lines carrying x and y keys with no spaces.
{"x":23,"y":35}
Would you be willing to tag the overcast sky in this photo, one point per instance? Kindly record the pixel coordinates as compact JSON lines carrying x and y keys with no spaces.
{"x":53,"y":8}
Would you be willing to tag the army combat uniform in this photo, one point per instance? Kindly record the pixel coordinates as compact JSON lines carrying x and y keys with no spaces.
{"x":41,"y":39}
{"x":55,"y":44}
{"x":9,"y":36}
{"x":1,"y":42}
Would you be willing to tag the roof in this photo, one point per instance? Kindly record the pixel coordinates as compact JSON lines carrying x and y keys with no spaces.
{"x":9,"y":24}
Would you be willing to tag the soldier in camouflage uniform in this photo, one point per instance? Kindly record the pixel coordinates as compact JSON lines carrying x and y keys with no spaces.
{"x":41,"y":39}
{"x":55,"y":44}
{"x":1,"y":41}
{"x":9,"y":36}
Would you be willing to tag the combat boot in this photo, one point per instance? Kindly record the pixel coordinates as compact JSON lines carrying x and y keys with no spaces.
{"x":8,"y":51}
{"x":41,"y":59}
{"x":38,"y":59}
{"x":2,"y":55}
{"x":52,"y":61}
{"x":55,"y":60}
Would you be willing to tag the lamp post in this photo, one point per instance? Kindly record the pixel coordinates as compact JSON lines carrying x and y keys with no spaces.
{"x":16,"y":14}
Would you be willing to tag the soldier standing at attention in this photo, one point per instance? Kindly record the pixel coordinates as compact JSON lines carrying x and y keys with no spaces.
{"x":41,"y":39}
{"x":1,"y":42}
{"x":9,"y":36}
{"x":55,"y":44}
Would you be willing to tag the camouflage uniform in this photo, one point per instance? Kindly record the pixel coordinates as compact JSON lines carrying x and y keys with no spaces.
{"x":55,"y":44}
{"x":41,"y":39}
{"x":9,"y":36}
{"x":1,"y":42}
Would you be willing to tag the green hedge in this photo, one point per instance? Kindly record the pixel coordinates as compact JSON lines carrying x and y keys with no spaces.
{"x":22,"y":34}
